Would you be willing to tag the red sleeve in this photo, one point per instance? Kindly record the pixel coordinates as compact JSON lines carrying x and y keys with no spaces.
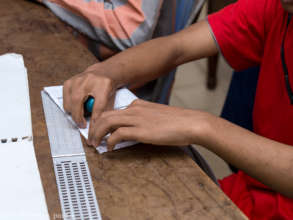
{"x":239,"y":32}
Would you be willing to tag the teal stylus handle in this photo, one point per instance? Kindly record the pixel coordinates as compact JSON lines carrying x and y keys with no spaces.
{"x":88,"y":106}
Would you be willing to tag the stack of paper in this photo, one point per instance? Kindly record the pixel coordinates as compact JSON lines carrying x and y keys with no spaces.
{"x":21,"y":192}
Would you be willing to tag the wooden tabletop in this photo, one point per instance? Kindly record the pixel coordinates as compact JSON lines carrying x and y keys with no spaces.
{"x":141,"y":182}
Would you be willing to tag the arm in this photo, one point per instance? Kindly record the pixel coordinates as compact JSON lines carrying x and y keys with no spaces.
{"x":139,"y":64}
{"x":268,"y":161}
{"x":154,"y":58}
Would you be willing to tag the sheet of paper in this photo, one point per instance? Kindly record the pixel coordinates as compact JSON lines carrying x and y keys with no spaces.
{"x":123,"y":98}
{"x":21,"y":191}
{"x":15,"y":107}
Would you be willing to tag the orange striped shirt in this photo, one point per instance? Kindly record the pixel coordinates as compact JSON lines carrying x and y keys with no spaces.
{"x":117,"y":24}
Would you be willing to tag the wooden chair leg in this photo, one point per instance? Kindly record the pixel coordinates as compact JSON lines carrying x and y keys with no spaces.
{"x":213,"y":6}
{"x":212,"y":61}
{"x":212,"y":72}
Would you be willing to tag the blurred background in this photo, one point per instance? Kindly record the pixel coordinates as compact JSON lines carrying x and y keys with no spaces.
{"x":190,"y":91}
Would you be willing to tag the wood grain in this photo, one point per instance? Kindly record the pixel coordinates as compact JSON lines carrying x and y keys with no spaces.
{"x":141,"y":182}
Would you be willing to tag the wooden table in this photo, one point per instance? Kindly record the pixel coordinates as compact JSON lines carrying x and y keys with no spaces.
{"x":141,"y":182}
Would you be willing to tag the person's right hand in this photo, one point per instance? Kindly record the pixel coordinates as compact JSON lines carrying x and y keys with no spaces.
{"x":92,"y":82}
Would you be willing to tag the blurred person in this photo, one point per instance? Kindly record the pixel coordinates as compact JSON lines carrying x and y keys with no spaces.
{"x":247,"y":33}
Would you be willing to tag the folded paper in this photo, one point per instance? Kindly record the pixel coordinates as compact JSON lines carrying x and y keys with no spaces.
{"x":123,"y":99}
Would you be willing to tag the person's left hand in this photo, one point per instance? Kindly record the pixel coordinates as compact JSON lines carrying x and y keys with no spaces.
{"x":151,"y":123}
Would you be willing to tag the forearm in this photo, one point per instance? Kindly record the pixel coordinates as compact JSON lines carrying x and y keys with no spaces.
{"x":268,"y":161}
{"x":154,"y":58}
{"x":139,"y":64}
{"x":142,"y":63}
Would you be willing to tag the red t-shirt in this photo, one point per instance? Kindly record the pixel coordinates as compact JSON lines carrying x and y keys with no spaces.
{"x":249,"y":33}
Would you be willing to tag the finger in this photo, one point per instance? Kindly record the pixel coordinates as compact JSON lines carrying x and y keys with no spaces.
{"x":140,"y":102}
{"x":146,"y":104}
{"x":110,"y":103}
{"x":139,"y":105}
{"x":66,"y":96}
{"x":106,"y":125}
{"x":117,"y":112}
{"x":77,"y":111}
{"x":102,"y":94}
{"x":121,"y":134}
{"x":98,"y":108}
{"x":136,"y":102}
{"x":100,"y":104}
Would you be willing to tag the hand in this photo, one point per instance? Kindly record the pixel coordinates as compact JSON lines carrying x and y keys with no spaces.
{"x":148,"y":122}
{"x":76,"y":90}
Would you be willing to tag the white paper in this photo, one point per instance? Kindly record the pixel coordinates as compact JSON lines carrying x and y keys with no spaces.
{"x":123,"y":99}
{"x":21,"y":192}
{"x":15,"y":107}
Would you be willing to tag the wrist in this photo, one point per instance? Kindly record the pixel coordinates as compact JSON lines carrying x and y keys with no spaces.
{"x":115,"y":72}
{"x":103,"y":72}
{"x":203,"y":128}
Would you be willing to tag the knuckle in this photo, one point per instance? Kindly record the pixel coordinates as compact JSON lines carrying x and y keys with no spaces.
{"x":76,"y":97}
{"x":121,"y":132}
{"x":136,"y":102}
{"x":107,"y":120}
{"x":94,"y":119}
{"x":107,"y":114}
{"x":67,"y":83}
{"x":107,"y":81}
{"x":107,"y":84}
{"x":90,"y":76}
{"x":111,"y":142}
{"x":135,"y":108}
{"x":118,"y":132}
